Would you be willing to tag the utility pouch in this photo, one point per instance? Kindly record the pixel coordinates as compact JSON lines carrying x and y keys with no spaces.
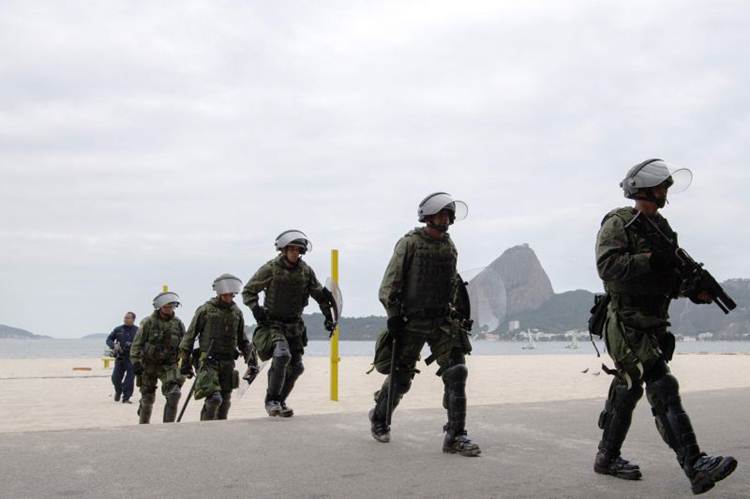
{"x":235,"y":379}
{"x":598,"y":314}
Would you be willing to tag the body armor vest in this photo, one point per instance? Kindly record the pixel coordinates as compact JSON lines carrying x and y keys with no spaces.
{"x":221,"y":322}
{"x":653,"y":283}
{"x":287,"y":294}
{"x":162,"y":340}
{"x":430,"y":277}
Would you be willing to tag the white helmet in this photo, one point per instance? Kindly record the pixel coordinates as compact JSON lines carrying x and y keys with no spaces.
{"x":293,"y":237}
{"x":227,"y":283}
{"x":165,"y":298}
{"x":438,"y":201}
{"x":653,"y":172}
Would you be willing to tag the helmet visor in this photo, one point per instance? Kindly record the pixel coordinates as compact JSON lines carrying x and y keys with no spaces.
{"x":228,"y":285}
{"x":293,"y":238}
{"x":681,"y":180}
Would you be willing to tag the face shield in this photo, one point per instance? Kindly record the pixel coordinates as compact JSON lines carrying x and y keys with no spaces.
{"x":165,"y":298}
{"x":227,"y":283}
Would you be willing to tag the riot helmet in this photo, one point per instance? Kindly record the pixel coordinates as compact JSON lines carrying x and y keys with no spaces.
{"x":438,"y":201}
{"x":293,"y":237}
{"x":227,"y":283}
{"x":165,"y":298}
{"x":644,"y":176}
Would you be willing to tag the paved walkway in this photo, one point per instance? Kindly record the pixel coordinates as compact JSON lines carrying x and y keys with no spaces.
{"x":529,"y":450}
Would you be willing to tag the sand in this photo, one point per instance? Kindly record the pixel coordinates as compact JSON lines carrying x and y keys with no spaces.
{"x":47,"y":394}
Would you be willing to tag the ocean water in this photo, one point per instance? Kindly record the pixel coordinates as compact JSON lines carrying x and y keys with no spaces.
{"x":51,"y":349}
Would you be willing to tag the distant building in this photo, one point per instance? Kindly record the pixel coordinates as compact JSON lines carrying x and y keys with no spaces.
{"x":513,"y":326}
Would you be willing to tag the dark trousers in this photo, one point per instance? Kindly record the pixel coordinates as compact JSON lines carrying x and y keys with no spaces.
{"x":123,"y":368}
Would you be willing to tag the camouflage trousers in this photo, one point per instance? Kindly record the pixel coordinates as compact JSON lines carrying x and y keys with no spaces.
{"x":216,"y":376}
{"x":169,"y":375}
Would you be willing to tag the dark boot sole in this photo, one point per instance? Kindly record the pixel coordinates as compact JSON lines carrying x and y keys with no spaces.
{"x":624,"y":475}
{"x":726,"y":469}
{"x":466,"y":453}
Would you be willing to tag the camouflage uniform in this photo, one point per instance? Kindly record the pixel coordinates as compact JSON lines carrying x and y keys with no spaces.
{"x":420,"y":284}
{"x":638,"y":341}
{"x":156,"y":347}
{"x":221,"y":331}
{"x":282,"y":336}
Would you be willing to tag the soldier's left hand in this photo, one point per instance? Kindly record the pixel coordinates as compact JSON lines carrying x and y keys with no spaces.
{"x":330,"y":326}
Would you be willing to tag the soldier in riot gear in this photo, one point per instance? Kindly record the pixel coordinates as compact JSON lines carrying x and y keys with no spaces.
{"x":154,"y":354}
{"x":220,"y":327}
{"x":641,"y":280}
{"x":287,"y":283}
{"x":418,"y":291}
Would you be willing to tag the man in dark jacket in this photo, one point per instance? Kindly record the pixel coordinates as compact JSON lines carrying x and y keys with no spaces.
{"x":119,"y":340}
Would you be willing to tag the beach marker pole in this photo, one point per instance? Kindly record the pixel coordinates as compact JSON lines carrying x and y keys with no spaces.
{"x":335,"y":337}
{"x":164,"y":288}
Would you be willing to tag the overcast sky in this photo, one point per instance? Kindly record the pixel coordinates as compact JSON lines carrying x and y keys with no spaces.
{"x":144,"y":143}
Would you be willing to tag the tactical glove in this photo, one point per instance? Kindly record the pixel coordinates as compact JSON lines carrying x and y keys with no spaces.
{"x":259,"y":313}
{"x":137,"y":368}
{"x":330,"y":326}
{"x":397,"y":325}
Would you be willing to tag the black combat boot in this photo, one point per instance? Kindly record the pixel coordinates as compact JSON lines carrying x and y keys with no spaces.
{"x":211,"y":407}
{"x":145,"y":407}
{"x":615,"y":420}
{"x":273,"y":406}
{"x":286,"y":411}
{"x":676,"y":429}
{"x":117,"y":396}
{"x":379,"y":430}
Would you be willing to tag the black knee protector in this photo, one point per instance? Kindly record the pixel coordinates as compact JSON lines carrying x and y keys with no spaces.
{"x":173,"y":395}
{"x":281,"y":353}
{"x":297,"y":369}
{"x":455,"y":374}
{"x":672,"y":421}
{"x":620,"y":401}
{"x":148,"y":398}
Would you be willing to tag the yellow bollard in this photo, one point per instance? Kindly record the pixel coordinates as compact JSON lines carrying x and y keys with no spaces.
{"x":106,"y":361}
{"x":335,"y":337}
{"x":164,"y":288}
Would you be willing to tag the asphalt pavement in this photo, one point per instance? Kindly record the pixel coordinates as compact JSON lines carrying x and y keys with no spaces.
{"x":529,"y":450}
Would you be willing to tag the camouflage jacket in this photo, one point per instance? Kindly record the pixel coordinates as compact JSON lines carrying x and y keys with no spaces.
{"x":218,"y":325}
{"x":157,"y":340}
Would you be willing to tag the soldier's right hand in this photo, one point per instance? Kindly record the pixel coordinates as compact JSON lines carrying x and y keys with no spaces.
{"x":259,"y":313}
{"x":396,"y":325}
{"x":186,"y":369}
{"x":137,"y":368}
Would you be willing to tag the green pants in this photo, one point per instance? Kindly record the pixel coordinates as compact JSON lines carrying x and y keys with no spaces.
{"x":169,"y":375}
{"x":634,"y":337}
{"x":447,"y":343}
{"x":216,"y":376}
{"x":267,"y":334}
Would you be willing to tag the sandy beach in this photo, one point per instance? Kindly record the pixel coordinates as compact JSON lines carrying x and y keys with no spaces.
{"x":46,"y":394}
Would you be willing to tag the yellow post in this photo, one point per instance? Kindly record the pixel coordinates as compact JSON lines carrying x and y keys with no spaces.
{"x":335,"y":337}
{"x":164,"y":288}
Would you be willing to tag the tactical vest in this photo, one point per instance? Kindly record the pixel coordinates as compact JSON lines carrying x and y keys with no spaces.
{"x":162,"y":339}
{"x":429,"y":277}
{"x":653,"y":283}
{"x":221,"y":323}
{"x":287,"y":294}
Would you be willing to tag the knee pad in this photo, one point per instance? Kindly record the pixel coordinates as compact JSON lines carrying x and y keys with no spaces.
{"x":455,"y":374}
{"x":656,"y":371}
{"x":281,"y":351}
{"x":148,"y":398}
{"x":214,"y":400}
{"x":663,"y":393}
{"x":297,"y":369}
{"x":623,"y":398}
{"x":401,"y":381}
{"x":174,"y":393}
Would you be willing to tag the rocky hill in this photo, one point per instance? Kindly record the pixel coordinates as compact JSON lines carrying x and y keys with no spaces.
{"x":8,"y":332}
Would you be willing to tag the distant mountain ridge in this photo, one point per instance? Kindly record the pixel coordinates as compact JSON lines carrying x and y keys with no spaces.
{"x":9,"y":332}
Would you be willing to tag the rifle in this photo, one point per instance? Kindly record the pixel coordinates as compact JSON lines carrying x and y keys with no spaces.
{"x":695,"y":278}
